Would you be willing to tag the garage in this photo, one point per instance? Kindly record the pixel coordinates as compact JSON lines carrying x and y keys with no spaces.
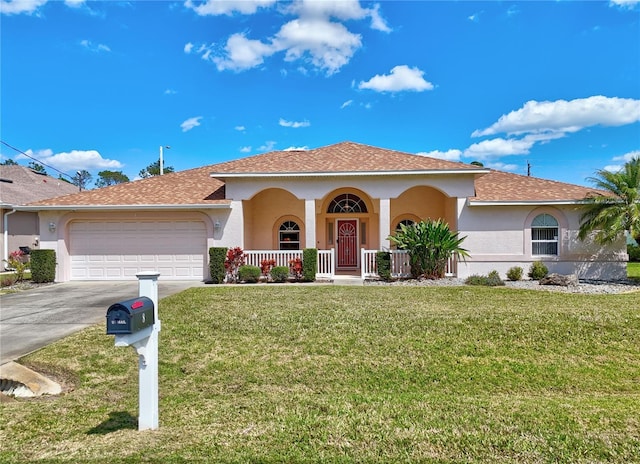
{"x":119,"y":250}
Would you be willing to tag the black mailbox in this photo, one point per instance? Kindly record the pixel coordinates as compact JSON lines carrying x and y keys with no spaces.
{"x":130,"y":316}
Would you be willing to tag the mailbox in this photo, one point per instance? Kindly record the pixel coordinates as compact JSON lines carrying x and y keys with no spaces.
{"x":130,"y":316}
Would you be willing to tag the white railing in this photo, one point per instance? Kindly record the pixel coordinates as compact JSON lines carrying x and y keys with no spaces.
{"x":326,"y":261}
{"x":400,"y":266}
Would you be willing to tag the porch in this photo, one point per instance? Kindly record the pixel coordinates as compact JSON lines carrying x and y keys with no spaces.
{"x":326,"y":268}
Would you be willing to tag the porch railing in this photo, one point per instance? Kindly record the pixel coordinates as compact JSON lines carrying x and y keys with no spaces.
{"x":400,"y":266}
{"x":326,"y":262}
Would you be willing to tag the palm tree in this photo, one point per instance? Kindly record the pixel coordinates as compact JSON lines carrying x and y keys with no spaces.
{"x":617,"y":209}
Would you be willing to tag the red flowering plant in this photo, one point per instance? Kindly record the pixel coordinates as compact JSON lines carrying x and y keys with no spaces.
{"x":266,"y":265}
{"x":235,"y":259}
{"x":17,"y":263}
{"x":295,"y":265}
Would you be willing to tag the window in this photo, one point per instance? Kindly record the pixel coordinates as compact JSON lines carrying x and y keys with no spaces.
{"x":544,"y":235}
{"x":405,"y":222}
{"x":289,"y":236}
{"x":347,"y":203}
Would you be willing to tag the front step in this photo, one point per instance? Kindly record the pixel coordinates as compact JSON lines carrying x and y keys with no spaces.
{"x":347,"y":280}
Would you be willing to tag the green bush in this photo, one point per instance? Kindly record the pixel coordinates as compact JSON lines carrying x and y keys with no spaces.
{"x":491,"y":280}
{"x":43,"y":266}
{"x":634,"y":253}
{"x":383,"y":264}
{"x":249,"y":274}
{"x":515,"y":273}
{"x":217,"y":256}
{"x":538,"y":270}
{"x":309,"y":264}
{"x":279,"y":273}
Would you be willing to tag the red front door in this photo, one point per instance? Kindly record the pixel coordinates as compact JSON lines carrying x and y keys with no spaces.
{"x":347,"y":243}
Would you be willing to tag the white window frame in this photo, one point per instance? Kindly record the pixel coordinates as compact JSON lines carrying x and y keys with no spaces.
{"x":547,"y":225}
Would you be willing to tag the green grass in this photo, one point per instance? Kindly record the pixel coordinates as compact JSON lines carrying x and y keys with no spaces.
{"x":352,"y":374}
{"x":633,"y":270}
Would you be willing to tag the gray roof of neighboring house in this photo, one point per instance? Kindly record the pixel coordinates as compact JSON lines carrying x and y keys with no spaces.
{"x":20,"y":185}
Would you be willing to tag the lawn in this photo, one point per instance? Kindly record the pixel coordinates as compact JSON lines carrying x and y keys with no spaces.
{"x":633,"y":270}
{"x":288,"y":373}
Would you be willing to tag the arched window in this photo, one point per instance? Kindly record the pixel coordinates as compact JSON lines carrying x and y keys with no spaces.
{"x":347,"y":203}
{"x":405,"y":222}
{"x":289,"y":236}
{"x":544,"y":235}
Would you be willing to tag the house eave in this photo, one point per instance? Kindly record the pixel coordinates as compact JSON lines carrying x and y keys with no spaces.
{"x":523,"y":202}
{"x":123,"y":207}
{"x":241,"y":175}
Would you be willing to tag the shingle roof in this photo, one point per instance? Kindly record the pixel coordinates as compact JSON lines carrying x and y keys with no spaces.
{"x":342,"y":157}
{"x":191,"y":187}
{"x":20,"y":185}
{"x":197,"y":187}
{"x":500,"y":186}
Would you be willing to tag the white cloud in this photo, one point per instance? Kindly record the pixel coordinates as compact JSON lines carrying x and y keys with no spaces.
{"x":402,"y":78}
{"x":240,"y":128}
{"x":170,"y":92}
{"x":566,"y":116}
{"x":305,"y":148}
{"x":293,"y":124}
{"x":345,"y":104}
{"x":627,"y":156}
{"x":74,"y":160}
{"x":74,"y":3}
{"x":475,"y":17}
{"x":190,"y":123}
{"x":494,"y":148}
{"x":502,"y":166}
{"x":245,"y":149}
{"x":326,"y":45}
{"x":267,"y":146}
{"x":313,"y":37}
{"x":241,"y":53}
{"x":95,"y":48}
{"x":625,"y":4}
{"x":450,"y":155}
{"x":227,"y":7}
{"x":10,"y":7}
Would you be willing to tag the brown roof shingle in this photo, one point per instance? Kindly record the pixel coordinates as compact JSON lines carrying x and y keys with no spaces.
{"x":20,"y":185}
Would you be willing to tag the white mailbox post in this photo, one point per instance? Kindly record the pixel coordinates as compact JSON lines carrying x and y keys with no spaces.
{"x":145,"y":342}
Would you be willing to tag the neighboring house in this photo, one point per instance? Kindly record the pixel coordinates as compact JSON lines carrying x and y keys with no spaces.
{"x":20,"y":185}
{"x":346,"y":197}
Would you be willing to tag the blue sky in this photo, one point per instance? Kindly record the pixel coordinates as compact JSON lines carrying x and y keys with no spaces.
{"x":101,"y":85}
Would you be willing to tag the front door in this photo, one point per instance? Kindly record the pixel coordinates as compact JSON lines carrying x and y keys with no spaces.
{"x":347,"y":243}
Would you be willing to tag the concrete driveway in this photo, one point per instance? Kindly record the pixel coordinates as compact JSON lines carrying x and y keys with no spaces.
{"x":32,"y":319}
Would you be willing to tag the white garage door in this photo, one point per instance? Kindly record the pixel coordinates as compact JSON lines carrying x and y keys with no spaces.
{"x":120,"y":250}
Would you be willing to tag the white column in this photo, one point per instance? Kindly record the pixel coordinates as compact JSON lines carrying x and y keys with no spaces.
{"x":148,"y":362}
{"x":310,"y":223}
{"x":385,"y":223}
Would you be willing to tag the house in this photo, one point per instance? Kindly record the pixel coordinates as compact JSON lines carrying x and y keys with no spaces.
{"x":20,"y":185}
{"x":343,"y":199}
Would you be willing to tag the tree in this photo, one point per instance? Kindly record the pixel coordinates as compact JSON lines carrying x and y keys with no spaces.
{"x":106,"y":178}
{"x":37,"y":167}
{"x":154,"y":170}
{"x":430,"y":245}
{"x":8,"y":162}
{"x":618,"y":210}
{"x":81,"y":179}
{"x":61,"y":177}
{"x":477,"y":163}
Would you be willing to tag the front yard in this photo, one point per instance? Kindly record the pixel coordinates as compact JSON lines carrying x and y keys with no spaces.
{"x":351,"y":374}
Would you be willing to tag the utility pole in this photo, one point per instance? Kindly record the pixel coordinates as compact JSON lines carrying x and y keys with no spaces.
{"x":161,"y":158}
{"x":528,"y":169}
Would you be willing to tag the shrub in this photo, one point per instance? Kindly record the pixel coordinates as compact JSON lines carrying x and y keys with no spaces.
{"x":634,"y":253}
{"x":279,"y":273}
{"x":43,"y":266}
{"x":515,"y":273}
{"x":18,"y":262}
{"x":249,"y":274}
{"x":383,"y":264}
{"x":538,"y":270}
{"x":233,"y":261}
{"x":491,"y":280}
{"x":309,"y":264}
{"x":217,"y":256}
{"x":295,"y":268}
{"x":266,"y":265}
